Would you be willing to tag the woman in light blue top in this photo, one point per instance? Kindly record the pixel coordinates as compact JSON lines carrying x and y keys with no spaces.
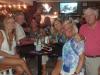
{"x":73,"y":51}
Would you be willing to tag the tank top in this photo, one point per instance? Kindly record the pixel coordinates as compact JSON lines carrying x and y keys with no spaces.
{"x":5,"y":45}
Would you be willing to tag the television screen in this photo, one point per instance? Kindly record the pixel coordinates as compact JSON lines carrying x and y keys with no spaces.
{"x":68,"y":7}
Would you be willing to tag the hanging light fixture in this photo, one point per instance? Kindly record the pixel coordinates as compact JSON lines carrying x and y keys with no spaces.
{"x":24,"y":6}
{"x":14,"y":6}
{"x":4,"y":6}
{"x":1,"y":6}
{"x":9,"y":6}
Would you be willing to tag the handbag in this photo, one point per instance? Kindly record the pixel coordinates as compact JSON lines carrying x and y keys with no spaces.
{"x":66,"y":68}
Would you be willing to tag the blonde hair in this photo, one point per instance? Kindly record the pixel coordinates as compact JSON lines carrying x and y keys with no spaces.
{"x":72,"y":24}
{"x":54,"y":30}
{"x":6,"y":21}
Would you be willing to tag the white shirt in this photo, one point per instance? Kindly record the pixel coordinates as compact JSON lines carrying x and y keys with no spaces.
{"x":5,"y":46}
{"x":20,"y":34}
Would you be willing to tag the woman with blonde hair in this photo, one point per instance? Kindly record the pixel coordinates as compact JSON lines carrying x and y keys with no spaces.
{"x":73,"y":51}
{"x":58,"y":40}
{"x":8,"y":56}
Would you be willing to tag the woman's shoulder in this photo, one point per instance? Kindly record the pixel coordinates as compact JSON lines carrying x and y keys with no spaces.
{"x":1,"y":34}
{"x":2,"y":30}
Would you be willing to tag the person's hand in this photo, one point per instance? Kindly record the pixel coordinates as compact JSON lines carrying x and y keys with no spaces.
{"x":55,"y":73}
{"x":15,"y":56}
{"x":75,"y":73}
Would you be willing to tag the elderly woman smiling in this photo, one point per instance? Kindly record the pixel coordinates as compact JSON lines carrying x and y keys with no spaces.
{"x":73,"y":51}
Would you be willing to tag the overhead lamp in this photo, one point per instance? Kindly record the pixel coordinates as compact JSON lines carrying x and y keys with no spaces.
{"x":19,"y":6}
{"x":9,"y":6}
{"x":14,"y":5}
{"x":55,"y":13}
{"x":0,"y":6}
{"x":24,"y":6}
{"x":4,"y":6}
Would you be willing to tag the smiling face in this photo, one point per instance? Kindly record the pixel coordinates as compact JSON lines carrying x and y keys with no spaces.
{"x":9,"y":24}
{"x":68,"y":30}
{"x":90,"y":16}
{"x":57,"y":25}
{"x":20,"y":19}
{"x":34,"y":25}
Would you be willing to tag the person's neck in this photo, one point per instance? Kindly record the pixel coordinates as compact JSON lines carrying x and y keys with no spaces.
{"x":8,"y":31}
{"x":69,"y":37}
{"x":60,"y":31}
{"x":18,"y":23}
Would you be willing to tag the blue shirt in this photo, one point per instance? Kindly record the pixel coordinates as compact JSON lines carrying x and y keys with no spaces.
{"x":60,"y":38}
{"x":72,"y":49}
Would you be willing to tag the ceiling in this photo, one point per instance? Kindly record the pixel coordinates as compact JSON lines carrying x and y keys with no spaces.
{"x":30,"y":2}
{"x":10,"y":1}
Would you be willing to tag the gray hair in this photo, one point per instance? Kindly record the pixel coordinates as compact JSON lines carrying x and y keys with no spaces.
{"x":93,"y":10}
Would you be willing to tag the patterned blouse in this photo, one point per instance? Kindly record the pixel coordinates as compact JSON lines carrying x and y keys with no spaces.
{"x":72,"y":49}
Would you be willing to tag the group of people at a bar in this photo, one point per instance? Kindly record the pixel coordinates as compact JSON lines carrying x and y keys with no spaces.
{"x":80,"y":51}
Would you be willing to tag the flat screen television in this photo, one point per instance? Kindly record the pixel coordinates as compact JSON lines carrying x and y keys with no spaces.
{"x":68,"y":8}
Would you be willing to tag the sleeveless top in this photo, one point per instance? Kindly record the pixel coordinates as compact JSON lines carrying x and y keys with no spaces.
{"x":5,"y":45}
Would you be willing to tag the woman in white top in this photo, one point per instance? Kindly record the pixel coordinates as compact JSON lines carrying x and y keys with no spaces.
{"x":8,"y":56}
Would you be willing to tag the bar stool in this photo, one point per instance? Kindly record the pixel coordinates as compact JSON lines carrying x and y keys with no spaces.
{"x":6,"y":72}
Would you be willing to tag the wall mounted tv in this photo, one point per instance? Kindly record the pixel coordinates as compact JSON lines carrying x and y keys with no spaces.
{"x":68,"y":8}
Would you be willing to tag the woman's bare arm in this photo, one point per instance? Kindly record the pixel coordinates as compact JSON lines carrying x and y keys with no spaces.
{"x":80,"y":63}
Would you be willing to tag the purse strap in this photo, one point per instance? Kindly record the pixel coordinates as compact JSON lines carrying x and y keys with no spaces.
{"x":72,"y":46}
